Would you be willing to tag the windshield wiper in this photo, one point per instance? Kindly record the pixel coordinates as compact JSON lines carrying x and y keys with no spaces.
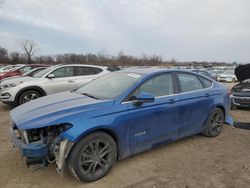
{"x":91,"y":96}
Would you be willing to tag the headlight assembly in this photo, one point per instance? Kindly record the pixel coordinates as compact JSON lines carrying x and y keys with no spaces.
{"x":5,"y":86}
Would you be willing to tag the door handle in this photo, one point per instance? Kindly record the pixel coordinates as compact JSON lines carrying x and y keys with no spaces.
{"x":70,"y":81}
{"x":207,"y":95}
{"x":172,"y":101}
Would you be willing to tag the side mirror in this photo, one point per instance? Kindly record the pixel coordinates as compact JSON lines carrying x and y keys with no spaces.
{"x":143,"y":97}
{"x":50,"y":76}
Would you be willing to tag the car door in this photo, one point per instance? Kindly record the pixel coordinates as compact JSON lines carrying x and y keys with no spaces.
{"x":63,"y":80}
{"x":85,"y":74}
{"x":195,"y":103}
{"x":153,"y":123}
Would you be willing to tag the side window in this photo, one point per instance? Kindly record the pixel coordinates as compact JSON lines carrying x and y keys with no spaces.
{"x":158,"y":86}
{"x":36,"y":71}
{"x":82,"y":71}
{"x":189,"y":82}
{"x":63,"y":72}
{"x":206,"y":83}
{"x":112,"y":69}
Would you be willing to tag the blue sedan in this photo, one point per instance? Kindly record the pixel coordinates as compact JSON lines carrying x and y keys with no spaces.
{"x":116,"y":116}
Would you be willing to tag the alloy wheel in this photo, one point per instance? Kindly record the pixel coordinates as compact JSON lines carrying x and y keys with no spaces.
{"x":95,"y":158}
{"x":216,"y":122}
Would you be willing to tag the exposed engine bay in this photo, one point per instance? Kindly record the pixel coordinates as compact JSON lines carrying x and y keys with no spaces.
{"x":43,"y":145}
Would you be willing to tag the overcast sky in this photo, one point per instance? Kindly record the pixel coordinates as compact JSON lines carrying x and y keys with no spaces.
{"x":210,"y":30}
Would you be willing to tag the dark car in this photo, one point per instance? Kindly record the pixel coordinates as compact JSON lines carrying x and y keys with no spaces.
{"x":115,"y":116}
{"x":240,"y":93}
{"x":20,"y":70}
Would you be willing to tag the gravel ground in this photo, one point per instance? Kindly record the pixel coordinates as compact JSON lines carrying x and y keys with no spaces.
{"x":196,"y":161}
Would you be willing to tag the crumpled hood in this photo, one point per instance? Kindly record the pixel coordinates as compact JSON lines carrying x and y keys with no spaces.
{"x":54,"y":109}
{"x":242,"y":72}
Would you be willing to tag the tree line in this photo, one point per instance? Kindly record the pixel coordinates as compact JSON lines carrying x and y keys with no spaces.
{"x":28,"y":51}
{"x":28,"y":48}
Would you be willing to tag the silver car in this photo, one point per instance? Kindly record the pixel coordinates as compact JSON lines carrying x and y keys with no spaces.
{"x":51,"y":80}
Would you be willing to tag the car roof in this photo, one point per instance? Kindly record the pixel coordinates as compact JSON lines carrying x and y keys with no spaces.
{"x":149,"y":70}
{"x":86,"y":65}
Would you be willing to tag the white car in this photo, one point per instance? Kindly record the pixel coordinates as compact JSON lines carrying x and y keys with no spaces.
{"x":227,"y":76}
{"x":51,"y":80}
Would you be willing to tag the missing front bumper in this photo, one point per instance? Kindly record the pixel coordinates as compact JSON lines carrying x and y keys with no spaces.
{"x":35,"y":153}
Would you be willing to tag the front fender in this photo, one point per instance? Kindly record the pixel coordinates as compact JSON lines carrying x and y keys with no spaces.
{"x":76,"y":133}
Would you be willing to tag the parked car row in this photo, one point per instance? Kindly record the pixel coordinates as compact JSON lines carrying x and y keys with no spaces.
{"x":54,"y":79}
{"x":30,"y":73}
{"x":227,"y":76}
{"x":112,"y":116}
{"x":9,"y":67}
{"x":219,"y":74}
{"x":17,"y":70}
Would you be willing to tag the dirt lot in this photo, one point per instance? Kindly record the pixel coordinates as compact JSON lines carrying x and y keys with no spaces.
{"x":192,"y":162}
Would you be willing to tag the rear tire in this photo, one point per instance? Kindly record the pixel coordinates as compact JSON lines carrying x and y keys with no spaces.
{"x":214,"y":123}
{"x":28,"y":95}
{"x":92,"y":157}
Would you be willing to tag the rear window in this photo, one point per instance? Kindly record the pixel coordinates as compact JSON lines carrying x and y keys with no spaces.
{"x":189,"y":82}
{"x":112,"y":69}
{"x":82,"y":71}
{"x":206,"y":83}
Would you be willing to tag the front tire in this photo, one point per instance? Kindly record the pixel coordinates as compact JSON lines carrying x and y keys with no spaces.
{"x":28,"y":95}
{"x":214,"y":123}
{"x":92,"y":157}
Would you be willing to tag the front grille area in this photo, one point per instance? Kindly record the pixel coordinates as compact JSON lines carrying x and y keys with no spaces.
{"x":242,"y":100}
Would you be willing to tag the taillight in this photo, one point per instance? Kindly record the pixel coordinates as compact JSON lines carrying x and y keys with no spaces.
{"x":229,"y":91}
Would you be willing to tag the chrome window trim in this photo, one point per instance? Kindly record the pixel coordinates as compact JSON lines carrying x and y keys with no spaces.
{"x":198,"y":89}
{"x":127,"y":102}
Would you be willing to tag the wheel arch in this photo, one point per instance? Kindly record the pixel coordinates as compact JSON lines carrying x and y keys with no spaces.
{"x":36,"y":88}
{"x":222,"y":108}
{"x":108,"y":131}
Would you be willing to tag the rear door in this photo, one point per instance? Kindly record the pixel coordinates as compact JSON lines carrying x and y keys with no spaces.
{"x":85,"y":74}
{"x":194,"y":102}
{"x":63,"y":80}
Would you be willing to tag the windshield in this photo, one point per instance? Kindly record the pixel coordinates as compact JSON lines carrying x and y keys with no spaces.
{"x":44,"y":72}
{"x":110,"y":85}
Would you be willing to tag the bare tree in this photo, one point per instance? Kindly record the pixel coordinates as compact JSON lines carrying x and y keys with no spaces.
{"x":3,"y":55}
{"x":29,"y":48}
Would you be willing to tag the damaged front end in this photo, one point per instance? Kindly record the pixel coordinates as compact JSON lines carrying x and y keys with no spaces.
{"x":42,"y":146}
